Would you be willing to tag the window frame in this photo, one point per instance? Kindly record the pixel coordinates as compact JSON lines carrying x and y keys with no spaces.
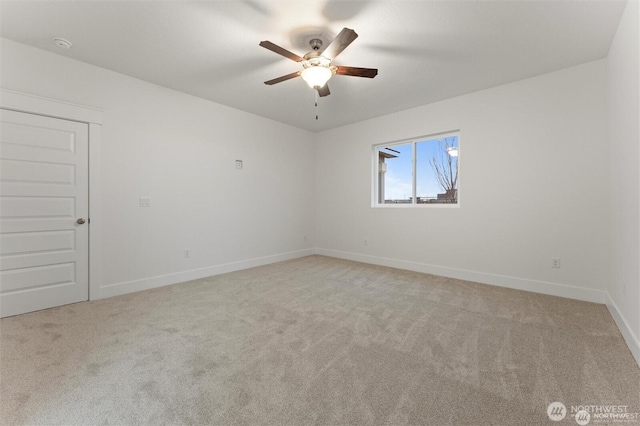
{"x":375,"y":187}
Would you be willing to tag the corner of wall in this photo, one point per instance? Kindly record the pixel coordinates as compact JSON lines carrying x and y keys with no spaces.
{"x":629,"y":337}
{"x":623,"y":292}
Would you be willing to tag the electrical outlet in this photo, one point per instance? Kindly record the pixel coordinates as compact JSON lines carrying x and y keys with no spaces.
{"x":304,"y":238}
{"x":187,"y":253}
{"x":145,"y":202}
{"x":366,"y":242}
{"x":238,"y":164}
{"x":555,"y":263}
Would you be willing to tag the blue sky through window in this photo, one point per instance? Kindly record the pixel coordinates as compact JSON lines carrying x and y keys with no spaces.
{"x":398,"y":178}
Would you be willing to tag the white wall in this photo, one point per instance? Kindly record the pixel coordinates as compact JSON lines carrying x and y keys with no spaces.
{"x":180,"y":151}
{"x":533,"y":186}
{"x":624,"y":137}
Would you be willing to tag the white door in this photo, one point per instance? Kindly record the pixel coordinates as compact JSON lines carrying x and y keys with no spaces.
{"x":44,"y":190}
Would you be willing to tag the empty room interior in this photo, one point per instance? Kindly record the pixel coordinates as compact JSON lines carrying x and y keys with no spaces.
{"x":322,"y":212}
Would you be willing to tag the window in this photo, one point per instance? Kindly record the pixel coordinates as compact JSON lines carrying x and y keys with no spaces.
{"x":421,"y":171}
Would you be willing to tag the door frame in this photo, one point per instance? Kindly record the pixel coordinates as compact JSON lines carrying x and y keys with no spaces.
{"x":31,"y":104}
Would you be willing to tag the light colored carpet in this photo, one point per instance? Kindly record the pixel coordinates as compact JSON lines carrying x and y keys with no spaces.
{"x":314,"y":341}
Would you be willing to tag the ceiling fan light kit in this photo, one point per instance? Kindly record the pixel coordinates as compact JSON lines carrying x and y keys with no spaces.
{"x":317,"y":67}
{"x":316,"y":76}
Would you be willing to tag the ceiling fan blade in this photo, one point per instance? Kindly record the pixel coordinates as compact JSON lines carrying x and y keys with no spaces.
{"x":324,"y":90}
{"x":283,"y":78}
{"x":342,"y":40}
{"x":357,"y":72}
{"x":280,"y":51}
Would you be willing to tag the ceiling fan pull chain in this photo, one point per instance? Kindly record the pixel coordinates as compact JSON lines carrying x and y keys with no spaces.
{"x":316,"y":104}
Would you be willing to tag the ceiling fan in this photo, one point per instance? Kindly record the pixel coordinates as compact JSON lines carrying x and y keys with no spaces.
{"x":317,"y":68}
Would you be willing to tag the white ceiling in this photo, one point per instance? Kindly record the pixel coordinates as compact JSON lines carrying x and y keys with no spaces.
{"x":425,"y":50}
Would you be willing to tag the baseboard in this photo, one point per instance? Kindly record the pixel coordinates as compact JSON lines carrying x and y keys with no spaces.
{"x":629,"y":337}
{"x":553,"y":289}
{"x":117,"y":289}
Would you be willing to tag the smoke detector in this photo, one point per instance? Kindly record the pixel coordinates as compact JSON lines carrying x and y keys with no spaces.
{"x":60,"y":42}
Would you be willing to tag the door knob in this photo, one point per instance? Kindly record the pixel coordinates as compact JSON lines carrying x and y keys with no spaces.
{"x":80,"y":221}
